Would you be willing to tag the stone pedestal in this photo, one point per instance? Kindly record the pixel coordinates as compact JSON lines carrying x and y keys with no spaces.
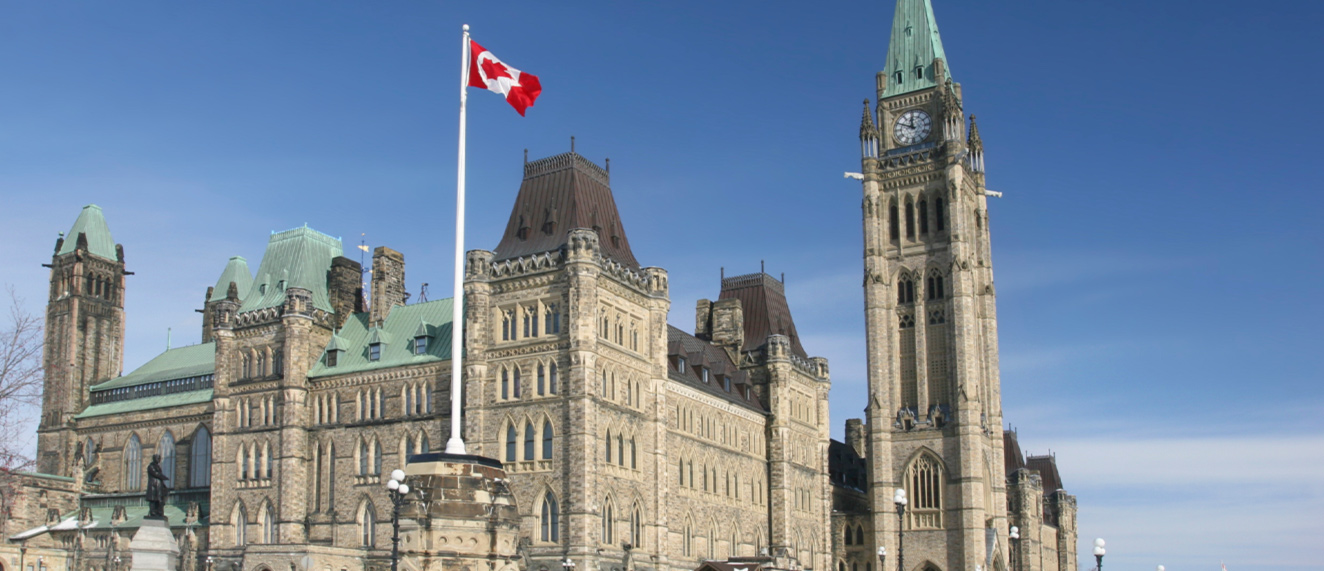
{"x":464,"y":516}
{"x":154,"y":548}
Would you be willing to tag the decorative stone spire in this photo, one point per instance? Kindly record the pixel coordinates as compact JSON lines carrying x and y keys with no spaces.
{"x":868,"y":134}
{"x":976,"y":147}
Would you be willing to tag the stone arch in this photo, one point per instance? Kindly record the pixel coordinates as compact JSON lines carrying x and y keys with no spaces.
{"x":239,"y":521}
{"x":132,"y":460}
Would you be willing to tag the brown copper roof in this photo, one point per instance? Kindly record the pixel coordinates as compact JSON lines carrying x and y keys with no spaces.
{"x":559,"y":194}
{"x":699,"y":354}
{"x":1011,"y":452}
{"x":1047,"y":468}
{"x":763,"y":301}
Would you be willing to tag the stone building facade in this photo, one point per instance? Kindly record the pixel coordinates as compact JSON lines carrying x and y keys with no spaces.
{"x":626,"y":443}
{"x":933,"y":423}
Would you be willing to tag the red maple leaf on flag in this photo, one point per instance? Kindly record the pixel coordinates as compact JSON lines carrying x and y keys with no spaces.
{"x":493,"y":69}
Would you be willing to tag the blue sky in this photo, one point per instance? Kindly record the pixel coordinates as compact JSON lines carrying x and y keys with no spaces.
{"x":1156,"y":250}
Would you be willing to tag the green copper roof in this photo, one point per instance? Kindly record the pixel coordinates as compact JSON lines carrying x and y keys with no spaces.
{"x":294,"y":258}
{"x":236,"y":270}
{"x":147,"y":403}
{"x":915,"y":44}
{"x":92,"y":223}
{"x":178,"y":363}
{"x":396,"y":336}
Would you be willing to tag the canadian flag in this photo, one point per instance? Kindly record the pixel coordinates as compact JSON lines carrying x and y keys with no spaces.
{"x":485,"y":70}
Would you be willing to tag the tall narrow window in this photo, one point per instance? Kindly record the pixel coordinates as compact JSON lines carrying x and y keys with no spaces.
{"x":893,"y":222}
{"x":512,"y":441}
{"x":376,"y":458}
{"x":166,"y":448}
{"x":240,"y":524}
{"x":527,"y":315}
{"x":620,"y":449}
{"x":515,"y":384}
{"x":547,"y":435}
{"x":551,"y":319}
{"x":505,"y":384}
{"x":608,"y":534}
{"x":910,"y":219}
{"x":935,"y":338}
{"x":533,"y":316}
{"x":133,"y":464}
{"x":200,"y":459}
{"x":529,"y":441}
{"x":636,"y":527}
{"x":905,"y":290}
{"x":607,"y":447}
{"x":90,"y":453}
{"x":268,"y":523}
{"x":367,"y":524}
{"x":909,"y":389}
{"x":939,"y":216}
{"x":923,"y":217}
{"x":551,"y":377}
{"x":550,"y":522}
{"x":634,"y":456}
{"x":505,"y":327}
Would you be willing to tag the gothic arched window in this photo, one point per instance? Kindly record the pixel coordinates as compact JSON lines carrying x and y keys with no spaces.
{"x":367,"y":524}
{"x":166,"y":448}
{"x":240,"y":523}
{"x":923,"y":485}
{"x":636,"y":527}
{"x":90,"y":452}
{"x":551,"y":378}
{"x":515,"y":382}
{"x":608,"y":531}
{"x":133,"y":464}
{"x":939,"y":217}
{"x":905,"y":290}
{"x":268,"y":523}
{"x":547,"y":435}
{"x":910,"y":219}
{"x":528,"y":440}
{"x":505,"y":384}
{"x":893,"y":221}
{"x":550,"y":522}
{"x":512,"y":441}
{"x":542,"y":380}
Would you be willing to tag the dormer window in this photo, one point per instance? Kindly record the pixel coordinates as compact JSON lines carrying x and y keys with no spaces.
{"x":262,"y":289}
{"x":726,"y":383}
{"x":919,"y":72}
{"x":899,"y":77}
{"x":280,"y":285}
{"x":680,"y":364}
{"x":705,"y":375}
{"x":375,"y":352}
{"x":332,"y":357}
{"x":420,"y":345}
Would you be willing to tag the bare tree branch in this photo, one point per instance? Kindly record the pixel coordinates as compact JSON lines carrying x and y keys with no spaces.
{"x":20,"y":380}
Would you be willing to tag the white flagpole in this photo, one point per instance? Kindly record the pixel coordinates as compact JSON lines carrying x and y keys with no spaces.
{"x":456,"y":443}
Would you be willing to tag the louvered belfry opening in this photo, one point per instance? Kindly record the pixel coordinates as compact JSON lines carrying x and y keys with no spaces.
{"x":561,"y":193}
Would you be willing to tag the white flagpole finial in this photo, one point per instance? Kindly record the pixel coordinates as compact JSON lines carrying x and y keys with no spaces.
{"x":466,"y":27}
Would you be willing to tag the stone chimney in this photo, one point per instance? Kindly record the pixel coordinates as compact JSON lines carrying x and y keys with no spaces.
{"x":346,"y":288}
{"x":728,"y":326}
{"x":388,"y":283}
{"x":855,"y":435}
{"x":703,"y":320}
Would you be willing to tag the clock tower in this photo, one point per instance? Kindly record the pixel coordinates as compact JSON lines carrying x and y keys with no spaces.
{"x":934,"y":418}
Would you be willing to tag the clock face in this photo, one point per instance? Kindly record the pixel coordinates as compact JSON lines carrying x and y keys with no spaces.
{"x":912,"y":127}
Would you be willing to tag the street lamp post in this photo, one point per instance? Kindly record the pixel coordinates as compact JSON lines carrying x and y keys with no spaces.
{"x":899,"y":498}
{"x":1015,"y":536}
{"x":397,"y":489}
{"x":567,"y":564}
{"x":882,"y":558}
{"x":1098,"y":552}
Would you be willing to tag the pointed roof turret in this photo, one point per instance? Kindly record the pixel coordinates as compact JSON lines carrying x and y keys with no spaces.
{"x":236,"y":270}
{"x":92,"y":224}
{"x":914,"y":45}
{"x":558,"y":194}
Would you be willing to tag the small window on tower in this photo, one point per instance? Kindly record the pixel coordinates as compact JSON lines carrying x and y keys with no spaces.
{"x":919,"y":72}
{"x":899,"y":76}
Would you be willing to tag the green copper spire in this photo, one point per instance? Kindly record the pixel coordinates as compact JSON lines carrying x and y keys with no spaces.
{"x":915,"y":44}
{"x":93,"y":224}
